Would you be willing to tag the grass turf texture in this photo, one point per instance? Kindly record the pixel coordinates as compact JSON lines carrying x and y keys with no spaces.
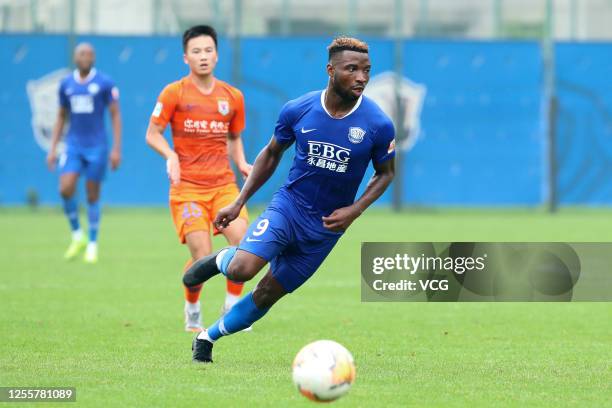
{"x":114,"y":330}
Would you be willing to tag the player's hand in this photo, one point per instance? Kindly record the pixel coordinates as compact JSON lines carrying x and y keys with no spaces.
{"x":173,"y":169}
{"x":51,"y":159}
{"x":245,"y":170}
{"x":115,"y":159}
{"x":340,"y":219}
{"x":227,"y":215}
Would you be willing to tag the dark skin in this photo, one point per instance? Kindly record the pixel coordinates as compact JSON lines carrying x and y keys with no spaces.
{"x":349,"y":73}
{"x":84,"y":57}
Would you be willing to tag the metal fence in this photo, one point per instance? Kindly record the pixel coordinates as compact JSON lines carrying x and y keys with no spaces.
{"x":482,"y":19}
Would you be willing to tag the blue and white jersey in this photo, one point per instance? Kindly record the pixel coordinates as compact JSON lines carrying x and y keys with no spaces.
{"x":86,"y":101}
{"x":331,"y":155}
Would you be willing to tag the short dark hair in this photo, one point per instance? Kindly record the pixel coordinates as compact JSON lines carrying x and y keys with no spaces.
{"x":340,"y":44}
{"x":197,"y":31}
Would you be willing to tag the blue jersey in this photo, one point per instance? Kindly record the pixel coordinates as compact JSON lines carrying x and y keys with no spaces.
{"x":86,"y":101}
{"x":331,"y":155}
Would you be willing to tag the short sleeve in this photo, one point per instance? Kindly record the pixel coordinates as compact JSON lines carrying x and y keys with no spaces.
{"x":165,"y":106}
{"x":283,"y":132}
{"x":63,"y":99}
{"x":384,"y":143}
{"x":237,"y":123}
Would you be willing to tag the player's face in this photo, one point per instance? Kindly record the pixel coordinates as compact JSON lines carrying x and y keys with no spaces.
{"x":201,"y":55}
{"x":349,"y":72}
{"x":84,"y":58}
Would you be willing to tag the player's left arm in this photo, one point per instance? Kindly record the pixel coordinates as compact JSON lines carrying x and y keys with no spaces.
{"x":235,"y":149}
{"x":111,"y":97}
{"x":342,"y":218}
{"x":115,"y":156}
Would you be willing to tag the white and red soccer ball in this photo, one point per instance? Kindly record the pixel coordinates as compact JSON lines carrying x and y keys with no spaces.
{"x":323,"y":371}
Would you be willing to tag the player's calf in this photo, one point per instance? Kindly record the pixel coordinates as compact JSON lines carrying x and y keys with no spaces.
{"x":267,"y":292}
{"x":202,"y":270}
{"x":238,"y":266}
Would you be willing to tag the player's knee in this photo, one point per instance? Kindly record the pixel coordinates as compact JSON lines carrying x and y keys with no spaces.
{"x":199,"y":253}
{"x":240,"y":271}
{"x":66,"y":190}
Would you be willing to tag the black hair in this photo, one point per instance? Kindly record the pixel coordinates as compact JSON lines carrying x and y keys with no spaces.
{"x":197,"y":31}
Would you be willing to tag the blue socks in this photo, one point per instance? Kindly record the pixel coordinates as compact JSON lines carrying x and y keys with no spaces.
{"x":72,"y":213}
{"x":242,"y":315}
{"x":71,"y":210}
{"x":93,"y":215}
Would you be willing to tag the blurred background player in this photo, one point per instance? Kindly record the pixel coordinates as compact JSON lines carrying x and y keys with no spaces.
{"x":337,"y":132}
{"x":206,"y":116}
{"x":84,"y":96}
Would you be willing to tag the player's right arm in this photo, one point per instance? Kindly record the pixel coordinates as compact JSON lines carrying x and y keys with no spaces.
{"x":155,"y":138}
{"x":162,"y":114}
{"x":62,"y":114}
{"x":266,"y":162}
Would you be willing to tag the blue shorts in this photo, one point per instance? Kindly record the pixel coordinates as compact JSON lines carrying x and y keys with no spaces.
{"x":295,"y":244}
{"x":91,"y":162}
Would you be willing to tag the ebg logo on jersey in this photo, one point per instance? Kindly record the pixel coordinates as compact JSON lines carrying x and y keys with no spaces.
{"x":328,"y":156}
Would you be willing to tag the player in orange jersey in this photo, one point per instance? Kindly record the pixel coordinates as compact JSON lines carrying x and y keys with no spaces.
{"x":206,"y":116}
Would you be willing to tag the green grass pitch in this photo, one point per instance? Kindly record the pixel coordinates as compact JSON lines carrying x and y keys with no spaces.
{"x":115,"y":332}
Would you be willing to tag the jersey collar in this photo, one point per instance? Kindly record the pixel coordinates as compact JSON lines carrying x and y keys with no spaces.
{"x":352,"y":110}
{"x":89,"y":77}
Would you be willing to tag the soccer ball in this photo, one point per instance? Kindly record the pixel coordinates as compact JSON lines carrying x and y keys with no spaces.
{"x":323,"y":370}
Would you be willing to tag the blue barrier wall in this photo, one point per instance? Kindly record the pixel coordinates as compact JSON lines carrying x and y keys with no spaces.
{"x":482,"y":134}
{"x":584,"y":142}
{"x":481,"y":141}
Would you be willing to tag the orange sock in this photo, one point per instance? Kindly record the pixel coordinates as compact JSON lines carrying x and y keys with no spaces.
{"x":192,"y":294}
{"x":234,"y":288}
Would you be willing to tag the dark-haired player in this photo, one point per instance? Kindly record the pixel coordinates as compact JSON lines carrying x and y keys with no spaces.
{"x":206,"y":116}
{"x":337,"y":132}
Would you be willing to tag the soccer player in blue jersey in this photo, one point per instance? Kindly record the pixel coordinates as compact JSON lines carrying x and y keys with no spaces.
{"x":337,"y":132}
{"x":84,"y":97}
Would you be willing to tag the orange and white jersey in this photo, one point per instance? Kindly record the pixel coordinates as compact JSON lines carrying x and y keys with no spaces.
{"x":200,"y":125}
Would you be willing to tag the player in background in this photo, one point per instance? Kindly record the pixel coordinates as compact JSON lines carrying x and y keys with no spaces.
{"x":84,"y":96}
{"x":337,"y":132}
{"x":206,"y":116}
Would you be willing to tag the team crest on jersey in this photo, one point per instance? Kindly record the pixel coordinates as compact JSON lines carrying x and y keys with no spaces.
{"x":356,"y":134}
{"x":93,"y":88}
{"x":223,"y":107}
